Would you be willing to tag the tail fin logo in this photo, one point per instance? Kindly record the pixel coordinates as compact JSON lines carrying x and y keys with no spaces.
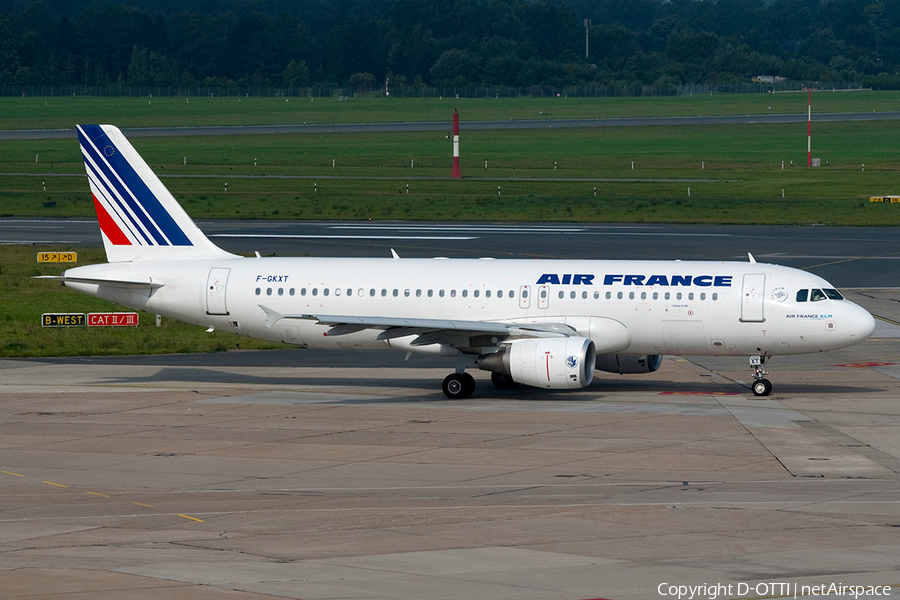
{"x":126,"y":193}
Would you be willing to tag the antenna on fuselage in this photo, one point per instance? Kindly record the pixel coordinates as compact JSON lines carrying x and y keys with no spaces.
{"x":752,"y":260}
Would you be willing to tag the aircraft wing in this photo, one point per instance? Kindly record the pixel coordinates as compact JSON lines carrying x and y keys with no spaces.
{"x":430,"y":331}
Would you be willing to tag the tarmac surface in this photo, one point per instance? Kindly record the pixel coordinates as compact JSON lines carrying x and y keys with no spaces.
{"x":323,"y":475}
{"x":296,"y":474}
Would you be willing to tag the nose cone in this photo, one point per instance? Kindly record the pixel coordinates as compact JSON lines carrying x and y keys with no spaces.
{"x":862,"y":324}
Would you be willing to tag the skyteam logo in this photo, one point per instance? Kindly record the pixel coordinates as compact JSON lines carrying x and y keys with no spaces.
{"x":572,"y":362}
{"x":129,"y":212}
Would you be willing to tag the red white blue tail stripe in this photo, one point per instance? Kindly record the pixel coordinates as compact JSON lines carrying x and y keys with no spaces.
{"x":138,"y":216}
{"x":128,"y":210}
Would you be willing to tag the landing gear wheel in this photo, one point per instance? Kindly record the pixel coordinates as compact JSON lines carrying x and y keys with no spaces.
{"x":458,"y":386}
{"x":762,"y":387}
{"x":503,"y":381}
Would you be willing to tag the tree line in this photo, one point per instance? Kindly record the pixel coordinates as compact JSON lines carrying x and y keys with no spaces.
{"x":361,"y":44}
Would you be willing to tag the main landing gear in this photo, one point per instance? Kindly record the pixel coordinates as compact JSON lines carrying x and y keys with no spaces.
{"x":458,"y":386}
{"x":761,"y":386}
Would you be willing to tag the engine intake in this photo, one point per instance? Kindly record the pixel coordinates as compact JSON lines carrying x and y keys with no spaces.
{"x":550,"y":363}
{"x":628,"y":363}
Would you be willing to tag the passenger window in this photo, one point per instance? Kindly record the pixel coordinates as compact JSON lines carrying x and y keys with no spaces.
{"x":405,"y":293}
{"x":372,"y":291}
{"x":292,"y":291}
{"x":350,"y":292}
{"x":631,"y":295}
{"x":383,"y":292}
{"x":619,"y":295}
{"x":656,"y":295}
{"x":361,"y":292}
{"x":465,"y":293}
{"x":802,"y":295}
{"x":396,"y":292}
{"x":258,"y":291}
{"x":678,"y":296}
{"x":475,"y":293}
{"x":487,"y":293}
{"x":268,"y":291}
{"x":817,"y":295}
{"x":418,"y":293}
{"x":315,"y":291}
{"x":325,"y":291}
{"x":337,"y":292}
{"x":441,"y":293}
{"x":561,"y":295}
{"x":430,"y":293}
{"x":302,"y":291}
{"x":596,"y":295}
{"x":668,"y":295}
{"x":453,"y":293}
{"x":715,"y":296}
{"x":703,"y":295}
{"x":281,"y":291}
{"x":499,"y":293}
{"x":584,"y":295}
{"x":643,"y":295}
{"x":608,"y":295}
{"x":691,"y":296}
{"x":833,"y":294}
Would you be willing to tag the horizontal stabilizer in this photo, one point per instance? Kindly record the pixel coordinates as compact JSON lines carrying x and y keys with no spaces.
{"x":98,"y":281}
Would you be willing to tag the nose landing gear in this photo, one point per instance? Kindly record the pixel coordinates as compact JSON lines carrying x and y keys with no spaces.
{"x":761,"y":386}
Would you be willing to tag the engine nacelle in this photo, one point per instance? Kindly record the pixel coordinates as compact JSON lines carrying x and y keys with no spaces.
{"x":550,"y":363}
{"x":628,"y":363}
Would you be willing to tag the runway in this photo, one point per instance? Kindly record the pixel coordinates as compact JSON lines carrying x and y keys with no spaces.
{"x":321,"y":475}
{"x":848,"y":257}
{"x":34,"y":134}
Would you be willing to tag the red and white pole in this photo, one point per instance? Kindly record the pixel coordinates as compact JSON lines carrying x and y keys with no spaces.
{"x":809,"y":127}
{"x":455,"y":174}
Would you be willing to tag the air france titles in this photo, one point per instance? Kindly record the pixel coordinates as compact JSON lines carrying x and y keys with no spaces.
{"x":638,"y":280}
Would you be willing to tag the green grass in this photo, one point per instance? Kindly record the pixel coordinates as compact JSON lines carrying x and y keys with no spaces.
{"x":23,"y":300}
{"x":63,"y":112}
{"x":736,"y":172}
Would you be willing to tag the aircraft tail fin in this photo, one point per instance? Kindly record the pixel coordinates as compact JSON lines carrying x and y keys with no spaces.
{"x":139,"y":218}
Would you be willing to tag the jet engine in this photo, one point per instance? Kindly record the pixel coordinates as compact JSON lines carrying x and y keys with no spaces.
{"x":551,"y":363}
{"x":628,"y":363}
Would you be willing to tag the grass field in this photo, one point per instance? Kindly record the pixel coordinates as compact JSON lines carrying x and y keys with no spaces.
{"x":734,"y":174}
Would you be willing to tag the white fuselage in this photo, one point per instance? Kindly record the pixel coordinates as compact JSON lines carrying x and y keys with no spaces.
{"x":663,"y":307}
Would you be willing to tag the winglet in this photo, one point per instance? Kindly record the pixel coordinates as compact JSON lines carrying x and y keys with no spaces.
{"x":752,"y":260}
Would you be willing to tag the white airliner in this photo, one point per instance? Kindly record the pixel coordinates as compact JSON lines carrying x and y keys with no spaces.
{"x":544,"y":323}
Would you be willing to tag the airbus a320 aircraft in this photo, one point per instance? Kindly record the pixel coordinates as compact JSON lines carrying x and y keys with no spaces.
{"x":544,"y":323}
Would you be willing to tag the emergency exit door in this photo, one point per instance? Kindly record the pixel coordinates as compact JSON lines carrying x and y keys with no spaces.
{"x":216,"y":285}
{"x":752,"y":296}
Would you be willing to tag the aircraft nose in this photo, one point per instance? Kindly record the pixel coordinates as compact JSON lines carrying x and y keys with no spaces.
{"x":862,"y":324}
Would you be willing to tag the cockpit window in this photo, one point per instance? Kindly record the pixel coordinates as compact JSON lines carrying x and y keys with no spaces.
{"x":802,"y":295}
{"x":817,"y":295}
{"x":833,"y":294}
